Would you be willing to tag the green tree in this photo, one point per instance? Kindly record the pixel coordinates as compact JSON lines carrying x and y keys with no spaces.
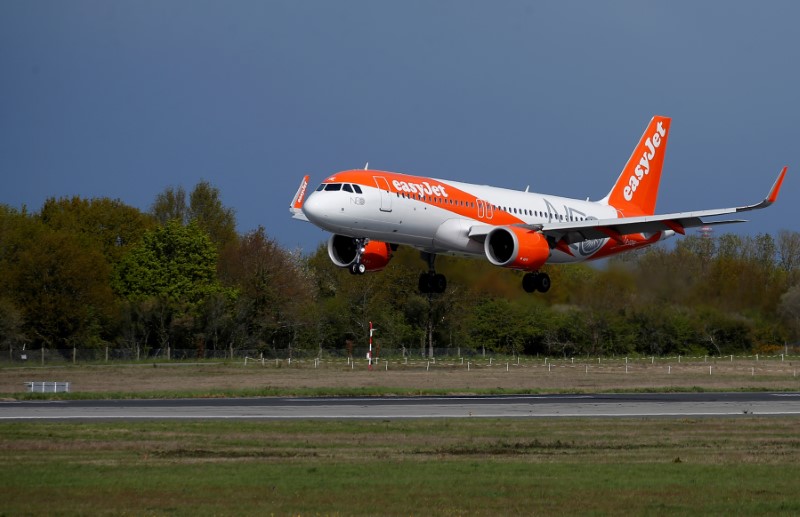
{"x":170,"y":205}
{"x":61,"y":284}
{"x":109,"y":224}
{"x":275,"y":303}
{"x":172,"y":272}
{"x":204,"y":208}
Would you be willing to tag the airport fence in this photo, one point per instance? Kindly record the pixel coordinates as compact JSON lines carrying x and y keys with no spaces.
{"x":315,"y":357}
{"x":62,"y":356}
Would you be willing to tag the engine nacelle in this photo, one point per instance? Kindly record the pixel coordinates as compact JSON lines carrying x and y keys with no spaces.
{"x":517,"y":248}
{"x":342,"y":251}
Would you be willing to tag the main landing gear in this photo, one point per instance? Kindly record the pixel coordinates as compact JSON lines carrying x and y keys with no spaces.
{"x":431,"y":282}
{"x":536,"y":282}
{"x":357,"y":268}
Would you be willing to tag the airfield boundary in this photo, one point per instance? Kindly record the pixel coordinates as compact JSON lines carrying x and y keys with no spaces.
{"x":402,"y":376}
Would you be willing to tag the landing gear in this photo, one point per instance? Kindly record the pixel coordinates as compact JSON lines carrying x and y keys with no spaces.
{"x":431,"y":282}
{"x":357,"y":268}
{"x":536,"y":282}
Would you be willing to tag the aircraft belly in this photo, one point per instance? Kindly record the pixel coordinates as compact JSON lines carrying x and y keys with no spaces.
{"x":453,"y":235}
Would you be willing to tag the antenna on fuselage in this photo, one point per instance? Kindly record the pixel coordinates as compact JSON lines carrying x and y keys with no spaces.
{"x":526,"y":188}
{"x":366,"y":166}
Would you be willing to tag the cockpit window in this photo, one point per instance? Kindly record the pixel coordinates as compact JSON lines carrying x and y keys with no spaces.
{"x":357,"y":189}
{"x":347,"y":188}
{"x":333,"y":187}
{"x":321,"y":187}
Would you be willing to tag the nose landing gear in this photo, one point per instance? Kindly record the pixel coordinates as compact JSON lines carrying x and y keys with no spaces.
{"x":357,"y":267}
{"x":431,"y":282}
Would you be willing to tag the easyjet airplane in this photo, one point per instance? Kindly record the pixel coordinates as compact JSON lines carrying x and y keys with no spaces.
{"x":371,"y":212}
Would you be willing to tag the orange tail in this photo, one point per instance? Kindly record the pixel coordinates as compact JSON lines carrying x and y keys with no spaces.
{"x":636,"y":189}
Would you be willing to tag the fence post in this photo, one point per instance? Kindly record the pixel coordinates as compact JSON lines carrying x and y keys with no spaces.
{"x":169,"y":355}
{"x":74,"y":354}
{"x":42,"y":355}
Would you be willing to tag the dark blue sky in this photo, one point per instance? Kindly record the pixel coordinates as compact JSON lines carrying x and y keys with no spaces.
{"x":122,"y":99}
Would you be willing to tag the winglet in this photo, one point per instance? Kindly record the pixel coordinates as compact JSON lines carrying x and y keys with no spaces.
{"x":776,"y":187}
{"x":296,"y":207}
{"x":299,"y":197}
{"x":772,"y":196}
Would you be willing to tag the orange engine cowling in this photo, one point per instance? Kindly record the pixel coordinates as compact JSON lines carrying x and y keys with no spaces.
{"x":342,"y":251}
{"x":517,"y":248}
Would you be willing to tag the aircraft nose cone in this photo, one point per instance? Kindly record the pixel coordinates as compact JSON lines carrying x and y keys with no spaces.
{"x":313,"y":208}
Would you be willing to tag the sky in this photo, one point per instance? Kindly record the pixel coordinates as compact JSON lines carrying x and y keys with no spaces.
{"x":122,"y":99}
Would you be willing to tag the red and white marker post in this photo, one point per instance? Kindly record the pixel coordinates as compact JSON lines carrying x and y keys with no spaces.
{"x":369,"y":353}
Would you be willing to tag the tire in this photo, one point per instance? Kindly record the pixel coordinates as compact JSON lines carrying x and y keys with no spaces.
{"x":424,"y":283}
{"x":529,"y":282}
{"x":439,"y":283}
{"x":542,"y":282}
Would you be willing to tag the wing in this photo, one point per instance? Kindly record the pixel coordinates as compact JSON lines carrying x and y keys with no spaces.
{"x":617,"y":229}
{"x":572,"y":232}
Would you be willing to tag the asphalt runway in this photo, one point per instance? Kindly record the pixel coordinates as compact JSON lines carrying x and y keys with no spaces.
{"x":517,"y":406}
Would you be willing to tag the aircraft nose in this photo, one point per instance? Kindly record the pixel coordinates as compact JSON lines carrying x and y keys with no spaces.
{"x":313,"y":208}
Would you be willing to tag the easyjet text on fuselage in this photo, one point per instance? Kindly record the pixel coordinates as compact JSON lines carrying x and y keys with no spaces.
{"x":420,"y":188}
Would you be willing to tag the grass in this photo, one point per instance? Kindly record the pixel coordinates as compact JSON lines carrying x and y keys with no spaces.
{"x":337,"y":378}
{"x":714,"y":466}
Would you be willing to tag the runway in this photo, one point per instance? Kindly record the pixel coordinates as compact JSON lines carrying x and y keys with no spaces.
{"x":518,"y":406}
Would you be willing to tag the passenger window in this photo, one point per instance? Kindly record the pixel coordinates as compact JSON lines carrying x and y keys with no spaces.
{"x":347,"y":188}
{"x":333,"y":187}
{"x":357,"y":189}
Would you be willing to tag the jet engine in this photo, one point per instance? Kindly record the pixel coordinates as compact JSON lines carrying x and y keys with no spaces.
{"x":343,"y":252}
{"x":517,"y":248}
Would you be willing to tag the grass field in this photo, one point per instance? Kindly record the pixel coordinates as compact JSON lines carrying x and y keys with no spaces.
{"x":710,"y":466}
{"x":479,"y":376}
{"x":743,"y":466}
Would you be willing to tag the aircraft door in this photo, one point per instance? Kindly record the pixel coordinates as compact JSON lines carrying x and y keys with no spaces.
{"x":386,"y":195}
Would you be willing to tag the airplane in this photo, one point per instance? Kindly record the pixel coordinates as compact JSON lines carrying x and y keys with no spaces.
{"x":371,"y":212}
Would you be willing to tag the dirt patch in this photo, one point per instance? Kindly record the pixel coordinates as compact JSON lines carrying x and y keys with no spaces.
{"x":452,"y":376}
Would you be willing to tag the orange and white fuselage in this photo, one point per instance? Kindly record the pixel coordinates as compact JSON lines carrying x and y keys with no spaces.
{"x":378,"y":210}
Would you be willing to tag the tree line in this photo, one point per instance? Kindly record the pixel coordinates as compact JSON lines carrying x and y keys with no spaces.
{"x":96,"y":272}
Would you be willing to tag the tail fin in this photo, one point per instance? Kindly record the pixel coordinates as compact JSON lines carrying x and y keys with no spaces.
{"x":636,"y":189}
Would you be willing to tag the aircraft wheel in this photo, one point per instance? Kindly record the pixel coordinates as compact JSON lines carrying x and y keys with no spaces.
{"x":439,"y":283}
{"x":424,"y":283}
{"x":361,"y":268}
{"x":529,"y":282}
{"x":542,"y":282}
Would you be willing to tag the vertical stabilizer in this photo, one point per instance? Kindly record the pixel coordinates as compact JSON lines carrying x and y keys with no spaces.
{"x":636,"y":189}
